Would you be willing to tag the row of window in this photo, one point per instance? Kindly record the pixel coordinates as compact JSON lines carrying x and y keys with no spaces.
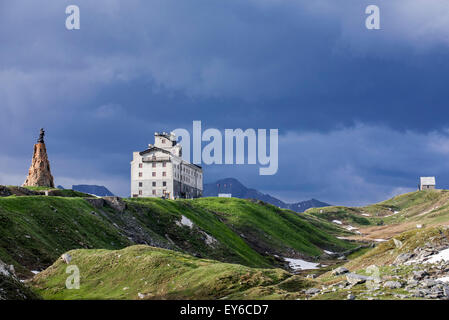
{"x":164,"y":165}
{"x":164,"y":184}
{"x":153,"y":174}
{"x":153,"y":192}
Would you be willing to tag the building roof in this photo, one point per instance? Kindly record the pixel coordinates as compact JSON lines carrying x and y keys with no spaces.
{"x":153,"y":148}
{"x":428,"y":181}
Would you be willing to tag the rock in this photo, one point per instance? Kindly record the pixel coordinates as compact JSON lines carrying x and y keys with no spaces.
{"x":428,"y":283}
{"x":412,"y":283}
{"x":39,"y":174}
{"x":66,"y":258}
{"x":354,"y":278}
{"x":397,"y":243}
{"x":7,"y":270}
{"x":403,"y":257}
{"x":141,"y":295}
{"x":116,"y":203}
{"x":418,"y":275}
{"x":350,"y":297}
{"x":5,"y":192}
{"x":446,"y":291}
{"x":339,"y":271}
{"x":392,"y":285}
{"x":312,"y":291}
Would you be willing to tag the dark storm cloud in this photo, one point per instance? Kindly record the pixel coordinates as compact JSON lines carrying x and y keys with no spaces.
{"x":306,"y":67}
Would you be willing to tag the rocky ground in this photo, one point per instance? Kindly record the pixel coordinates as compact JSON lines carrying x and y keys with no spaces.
{"x":10,"y":286}
{"x":422,"y":273}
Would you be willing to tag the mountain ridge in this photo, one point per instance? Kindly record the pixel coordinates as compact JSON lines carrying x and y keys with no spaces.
{"x":238,"y":190}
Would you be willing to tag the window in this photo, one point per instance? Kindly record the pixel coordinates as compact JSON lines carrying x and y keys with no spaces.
{"x":164,"y":184}
{"x":154,"y":164}
{"x":154,"y":192}
{"x":140,"y":192}
{"x":163,"y":140}
{"x":140,"y":184}
{"x":164,"y":174}
{"x":164,"y":164}
{"x":140,"y":165}
{"x":154,"y":183}
{"x":140,"y":174}
{"x":154,"y":174}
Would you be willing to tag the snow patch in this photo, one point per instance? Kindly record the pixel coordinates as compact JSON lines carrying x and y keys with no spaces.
{"x":443,"y":279}
{"x":380,"y":240}
{"x":350,"y":228}
{"x":209,"y":239}
{"x":35,"y":272}
{"x":337,"y":221}
{"x":328,"y":252}
{"x":299,"y":264}
{"x":186,"y":222}
{"x":366,"y":215}
{"x":442,"y":255}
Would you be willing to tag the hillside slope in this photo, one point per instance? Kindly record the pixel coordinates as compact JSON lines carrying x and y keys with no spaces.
{"x":391,"y":217}
{"x":162,"y":274}
{"x":35,"y":230}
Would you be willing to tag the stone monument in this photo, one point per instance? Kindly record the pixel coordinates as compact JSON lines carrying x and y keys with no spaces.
{"x":39,"y":174}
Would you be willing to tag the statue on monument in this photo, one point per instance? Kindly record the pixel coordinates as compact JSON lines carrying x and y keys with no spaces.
{"x":41,"y":136}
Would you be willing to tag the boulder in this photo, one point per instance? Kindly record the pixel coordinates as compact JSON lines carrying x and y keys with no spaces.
{"x":5,"y":192}
{"x":354,"y":278}
{"x":392,"y":285}
{"x":419,"y":275}
{"x":116,"y":203}
{"x":403,"y":257}
{"x":312,"y":291}
{"x":66,"y":258}
{"x":339,"y":271}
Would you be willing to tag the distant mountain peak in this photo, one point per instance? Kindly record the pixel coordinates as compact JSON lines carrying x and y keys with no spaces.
{"x":99,"y":191}
{"x":238,"y":190}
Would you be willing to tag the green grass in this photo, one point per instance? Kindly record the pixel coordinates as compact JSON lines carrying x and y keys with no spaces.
{"x":278,"y":229}
{"x":161,"y":274}
{"x":35,"y":230}
{"x":232,"y":248}
{"x":39,"y":188}
{"x":430,"y":206}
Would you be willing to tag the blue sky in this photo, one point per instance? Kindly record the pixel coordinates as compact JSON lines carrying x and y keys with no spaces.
{"x":361,"y":114}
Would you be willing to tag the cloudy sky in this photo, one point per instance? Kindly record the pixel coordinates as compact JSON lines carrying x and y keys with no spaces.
{"x":361,"y":113}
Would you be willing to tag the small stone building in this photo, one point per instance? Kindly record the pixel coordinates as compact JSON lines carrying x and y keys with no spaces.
{"x":426,"y":183}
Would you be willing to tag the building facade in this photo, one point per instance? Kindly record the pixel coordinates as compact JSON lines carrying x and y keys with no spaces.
{"x":159,"y":171}
{"x":426,"y":183}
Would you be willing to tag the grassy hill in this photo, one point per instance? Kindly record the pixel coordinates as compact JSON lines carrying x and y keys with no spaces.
{"x":163,"y":274}
{"x":399,"y":214}
{"x":274,"y":229}
{"x":35,"y":230}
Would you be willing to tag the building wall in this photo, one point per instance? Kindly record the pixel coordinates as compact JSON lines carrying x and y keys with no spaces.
{"x":182,"y":179}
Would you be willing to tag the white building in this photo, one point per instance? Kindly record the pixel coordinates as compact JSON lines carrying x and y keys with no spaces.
{"x":426,"y":183}
{"x":160,"y":171}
